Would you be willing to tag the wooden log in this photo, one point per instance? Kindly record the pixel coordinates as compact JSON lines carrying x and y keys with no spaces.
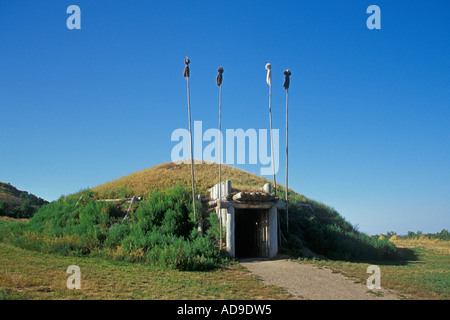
{"x":119,"y":200}
{"x":253,"y":196}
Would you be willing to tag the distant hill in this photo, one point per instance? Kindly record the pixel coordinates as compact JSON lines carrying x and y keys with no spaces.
{"x":16,"y":203}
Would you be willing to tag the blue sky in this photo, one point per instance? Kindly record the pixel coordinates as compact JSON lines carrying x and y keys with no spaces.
{"x":369,"y":118}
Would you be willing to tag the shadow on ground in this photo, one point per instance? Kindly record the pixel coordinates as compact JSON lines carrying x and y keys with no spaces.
{"x":402,"y":257}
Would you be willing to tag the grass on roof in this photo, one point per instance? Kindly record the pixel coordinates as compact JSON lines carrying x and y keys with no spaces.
{"x":167,"y":175}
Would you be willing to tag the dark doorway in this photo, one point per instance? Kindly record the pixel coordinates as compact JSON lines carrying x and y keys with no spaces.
{"x":251,"y":233}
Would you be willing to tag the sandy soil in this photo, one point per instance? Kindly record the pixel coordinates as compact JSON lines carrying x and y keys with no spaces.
{"x":305,"y":281}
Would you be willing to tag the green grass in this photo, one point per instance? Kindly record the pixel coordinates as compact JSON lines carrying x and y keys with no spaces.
{"x":27,"y":274}
{"x":161,"y":232}
{"x":424,"y":272}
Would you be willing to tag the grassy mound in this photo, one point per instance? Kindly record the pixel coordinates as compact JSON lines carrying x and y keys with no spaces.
{"x":323,"y":230}
{"x":167,"y":175}
{"x":162,"y":232}
{"x":312,"y":224}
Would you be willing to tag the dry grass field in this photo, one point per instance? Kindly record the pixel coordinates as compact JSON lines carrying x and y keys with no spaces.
{"x":26,"y":274}
{"x":167,"y":175}
{"x":423,"y":274}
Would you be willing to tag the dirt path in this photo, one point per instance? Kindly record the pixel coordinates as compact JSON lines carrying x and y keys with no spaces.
{"x":306,"y":281}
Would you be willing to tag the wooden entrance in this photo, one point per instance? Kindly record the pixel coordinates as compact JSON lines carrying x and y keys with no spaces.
{"x":252,"y":233}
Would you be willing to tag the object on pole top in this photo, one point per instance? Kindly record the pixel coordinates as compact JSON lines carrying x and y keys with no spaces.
{"x":219,"y":76}
{"x":186,"y":69}
{"x":287,"y":74}
{"x":269,"y":74}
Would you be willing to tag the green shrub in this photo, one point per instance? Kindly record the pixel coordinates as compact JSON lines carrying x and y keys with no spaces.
{"x":198,"y":254}
{"x":116,"y":234}
{"x":213,"y":226}
{"x":323,"y":230}
{"x":161,"y":232}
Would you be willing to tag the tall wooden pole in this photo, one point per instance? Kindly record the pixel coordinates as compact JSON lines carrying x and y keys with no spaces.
{"x":287,"y":162}
{"x":271,"y":140}
{"x":186,"y":75}
{"x":219,"y":83}
{"x":269,"y":82}
{"x":287,"y":74}
{"x":220,"y":138}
